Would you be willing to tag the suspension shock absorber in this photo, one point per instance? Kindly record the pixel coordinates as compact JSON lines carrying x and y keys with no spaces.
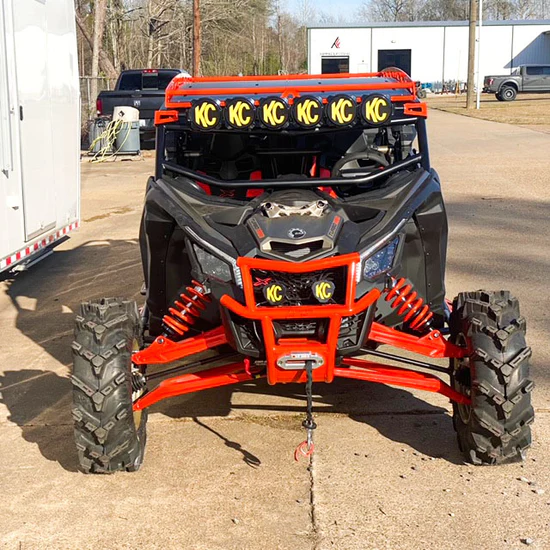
{"x":187,"y":309}
{"x":407,"y":303}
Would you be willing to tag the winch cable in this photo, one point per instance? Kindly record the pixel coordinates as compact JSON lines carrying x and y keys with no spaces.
{"x":307,"y":447}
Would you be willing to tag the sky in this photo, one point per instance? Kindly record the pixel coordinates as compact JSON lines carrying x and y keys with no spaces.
{"x":336,"y":8}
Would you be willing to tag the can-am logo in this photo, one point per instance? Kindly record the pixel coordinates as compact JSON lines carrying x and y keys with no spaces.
{"x":296,"y":233}
{"x":336,"y":43}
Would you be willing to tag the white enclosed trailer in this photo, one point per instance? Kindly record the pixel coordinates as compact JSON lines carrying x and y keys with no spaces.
{"x":39,"y":127}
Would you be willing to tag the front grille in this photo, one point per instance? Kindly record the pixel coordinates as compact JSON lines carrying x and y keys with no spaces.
{"x":350,"y":330}
{"x":295,"y":250}
{"x":301,"y":328}
{"x":298,"y":287}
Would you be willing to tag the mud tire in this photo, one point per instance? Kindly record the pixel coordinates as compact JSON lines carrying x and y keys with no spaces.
{"x":495,"y":428}
{"x":109,"y":436}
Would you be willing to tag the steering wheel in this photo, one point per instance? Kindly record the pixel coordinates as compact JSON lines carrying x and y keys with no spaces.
{"x":373,"y":160}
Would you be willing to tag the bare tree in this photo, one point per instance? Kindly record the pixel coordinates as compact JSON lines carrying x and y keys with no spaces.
{"x":196,"y":38}
{"x":104,"y":62}
{"x":390,"y":10}
{"x":97,"y":42}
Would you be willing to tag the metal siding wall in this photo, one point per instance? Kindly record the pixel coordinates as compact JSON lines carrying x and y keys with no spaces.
{"x":425,"y":43}
{"x":354,"y":43}
{"x":530,"y":45}
{"x":456,"y":54}
{"x":428,"y":55}
{"x":496,"y":44}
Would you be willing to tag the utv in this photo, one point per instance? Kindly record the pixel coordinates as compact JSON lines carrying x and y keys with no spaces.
{"x":294,"y":226}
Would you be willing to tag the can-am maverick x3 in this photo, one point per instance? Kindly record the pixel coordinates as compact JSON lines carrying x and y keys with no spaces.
{"x":295,"y":224}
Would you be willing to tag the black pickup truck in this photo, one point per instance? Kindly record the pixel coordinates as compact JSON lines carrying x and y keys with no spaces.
{"x":525,"y":79}
{"x":142,"y":89}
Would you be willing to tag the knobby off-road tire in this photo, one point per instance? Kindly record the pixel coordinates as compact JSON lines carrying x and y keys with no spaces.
{"x":109,"y":436}
{"x":495,"y":427}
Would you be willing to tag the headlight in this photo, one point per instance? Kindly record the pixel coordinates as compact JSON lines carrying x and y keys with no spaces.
{"x":212,"y":265}
{"x":219,"y":265}
{"x":381,"y":261}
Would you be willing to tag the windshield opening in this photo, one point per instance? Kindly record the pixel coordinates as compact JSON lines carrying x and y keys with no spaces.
{"x":332,"y":153}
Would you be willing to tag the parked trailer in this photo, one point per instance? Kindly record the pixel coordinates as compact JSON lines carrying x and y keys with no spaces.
{"x":39,"y":128}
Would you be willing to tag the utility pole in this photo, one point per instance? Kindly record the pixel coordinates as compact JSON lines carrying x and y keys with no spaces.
{"x":478,"y":61}
{"x":196,"y":38}
{"x":470,"y":95}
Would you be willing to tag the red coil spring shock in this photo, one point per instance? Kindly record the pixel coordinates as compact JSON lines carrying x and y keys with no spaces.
{"x":188,"y":310}
{"x":407,"y":303}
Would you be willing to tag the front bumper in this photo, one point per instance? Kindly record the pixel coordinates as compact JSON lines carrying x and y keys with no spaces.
{"x":286,"y":356}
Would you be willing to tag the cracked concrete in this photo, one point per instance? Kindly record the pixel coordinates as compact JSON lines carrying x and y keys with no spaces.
{"x":218,"y":471}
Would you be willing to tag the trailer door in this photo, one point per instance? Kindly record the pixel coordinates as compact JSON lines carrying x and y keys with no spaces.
{"x":35,"y":116}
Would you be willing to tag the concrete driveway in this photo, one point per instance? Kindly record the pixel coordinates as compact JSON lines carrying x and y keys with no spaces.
{"x":219,"y":472}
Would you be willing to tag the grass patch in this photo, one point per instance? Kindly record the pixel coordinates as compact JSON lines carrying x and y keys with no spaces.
{"x":526,"y":110}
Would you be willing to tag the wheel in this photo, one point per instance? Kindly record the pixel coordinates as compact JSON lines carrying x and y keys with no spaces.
{"x":421,"y":93}
{"x":499,"y":97}
{"x":508,"y":93}
{"x":109,"y":435}
{"x":495,"y":428}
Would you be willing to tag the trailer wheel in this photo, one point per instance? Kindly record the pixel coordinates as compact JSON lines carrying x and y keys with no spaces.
{"x":508,"y":93}
{"x":495,"y":428}
{"x":109,"y":435}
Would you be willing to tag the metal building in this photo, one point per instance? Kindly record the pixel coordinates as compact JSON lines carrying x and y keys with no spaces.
{"x":431,"y":52}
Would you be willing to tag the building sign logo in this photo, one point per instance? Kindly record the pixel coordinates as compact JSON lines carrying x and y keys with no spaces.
{"x":336,"y":43}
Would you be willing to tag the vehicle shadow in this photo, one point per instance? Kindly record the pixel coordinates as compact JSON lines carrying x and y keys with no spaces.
{"x":47,"y":297}
{"x":396,"y":414}
{"x":38,"y":398}
{"x":34,"y":386}
{"x":39,"y":403}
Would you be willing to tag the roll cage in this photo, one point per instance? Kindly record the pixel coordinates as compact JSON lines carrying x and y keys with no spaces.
{"x":297,"y":105}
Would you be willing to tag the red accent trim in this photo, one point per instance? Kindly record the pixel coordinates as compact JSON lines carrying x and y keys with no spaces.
{"x":275,"y":349}
{"x":432,"y":344}
{"x":188,"y":383}
{"x":165,"y":117}
{"x":37,"y":245}
{"x":252,"y":193}
{"x":163,"y":350}
{"x":256,"y":175}
{"x":177,"y":88}
{"x":313,"y":170}
{"x":374,"y":372}
{"x":205,"y":187}
{"x":416,"y":109}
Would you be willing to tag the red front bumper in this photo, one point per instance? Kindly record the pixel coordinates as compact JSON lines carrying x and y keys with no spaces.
{"x":279,"y":350}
